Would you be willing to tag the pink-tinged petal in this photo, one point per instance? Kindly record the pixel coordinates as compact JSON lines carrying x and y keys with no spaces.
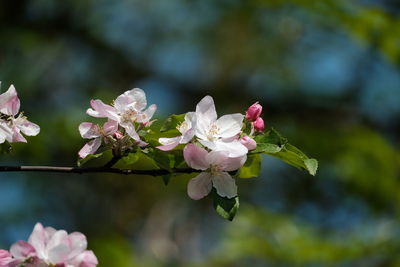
{"x":77,"y":244}
{"x":131,"y":131}
{"x":225,"y":185}
{"x":22,"y":250}
{"x":89,"y":130}
{"x":135,"y":98}
{"x":195,"y":157}
{"x":147,"y":114}
{"x":110,"y":127}
{"x":85,"y":259}
{"x":187,"y":136}
{"x":90,"y":147}
{"x":5,"y":258}
{"x":27,"y":127}
{"x":58,"y":247}
{"x":9,"y":102}
{"x":200,"y":186}
{"x":17,"y":136}
{"x":230,"y":125}
{"x":224,"y":162}
{"x":205,"y":110}
{"x":248,"y":142}
{"x":38,"y":240}
{"x":168,"y":143}
{"x":101,"y":110}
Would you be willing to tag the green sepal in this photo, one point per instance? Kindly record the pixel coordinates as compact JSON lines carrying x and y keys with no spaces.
{"x":251,"y":168}
{"x":226,"y":207}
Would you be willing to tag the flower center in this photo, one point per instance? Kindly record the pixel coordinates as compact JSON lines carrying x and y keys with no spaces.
{"x":213,"y":131}
{"x":215,"y":170}
{"x":130,"y":116}
{"x":183,"y":127}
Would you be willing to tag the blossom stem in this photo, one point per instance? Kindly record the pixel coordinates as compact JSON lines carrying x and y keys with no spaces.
{"x":54,"y":169}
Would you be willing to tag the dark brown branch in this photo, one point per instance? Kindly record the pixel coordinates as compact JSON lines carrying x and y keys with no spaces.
{"x":156,"y":172}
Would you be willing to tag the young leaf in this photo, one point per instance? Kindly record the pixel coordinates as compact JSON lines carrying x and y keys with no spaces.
{"x":251,"y":168}
{"x":226,"y":207}
{"x":172,"y":122}
{"x":269,"y":142}
{"x":127,"y":161}
{"x":312,"y":166}
{"x":98,"y":159}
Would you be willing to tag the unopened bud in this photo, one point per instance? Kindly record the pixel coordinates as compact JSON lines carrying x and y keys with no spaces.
{"x":259,"y":125}
{"x":248,"y":142}
{"x":118,"y":135}
{"x":254,"y":112}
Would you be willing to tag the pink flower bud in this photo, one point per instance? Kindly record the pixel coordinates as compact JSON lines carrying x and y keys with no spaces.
{"x":118,"y":135}
{"x":248,"y":142}
{"x":5,"y":257}
{"x":253,"y":112}
{"x":259,"y":125}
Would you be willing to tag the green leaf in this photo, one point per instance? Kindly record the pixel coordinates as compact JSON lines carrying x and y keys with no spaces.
{"x":172,"y":122}
{"x":127,"y":161}
{"x":269,"y":142}
{"x":167,"y":178}
{"x":251,"y":168}
{"x":312,"y":166}
{"x":226,"y":207}
{"x":293,"y":156}
{"x":98,"y":159}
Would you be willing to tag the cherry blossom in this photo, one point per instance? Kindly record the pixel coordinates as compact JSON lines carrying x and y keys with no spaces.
{"x":93,"y":131}
{"x":12,"y":125}
{"x":49,"y":247}
{"x":127,"y":109}
{"x":215,"y":166}
{"x":186,"y":128}
{"x":219,"y":134}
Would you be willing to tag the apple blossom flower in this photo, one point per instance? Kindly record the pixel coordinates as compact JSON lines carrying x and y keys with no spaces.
{"x":219,"y":134}
{"x":248,"y":142}
{"x":49,"y":247}
{"x":215,"y":166}
{"x":186,"y":128}
{"x":127,"y":110}
{"x":93,"y":131}
{"x":10,"y":125}
{"x":259,"y":125}
{"x":253,"y":112}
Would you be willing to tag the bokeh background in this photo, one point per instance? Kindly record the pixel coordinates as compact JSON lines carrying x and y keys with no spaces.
{"x":327,"y":73}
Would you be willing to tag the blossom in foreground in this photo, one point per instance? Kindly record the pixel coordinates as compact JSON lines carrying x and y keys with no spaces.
{"x":93,"y":131}
{"x":127,"y":109}
{"x":186,"y":128}
{"x":248,"y":142}
{"x":215,"y":166}
{"x":10,"y":125}
{"x":49,"y":247}
{"x":219,"y":134}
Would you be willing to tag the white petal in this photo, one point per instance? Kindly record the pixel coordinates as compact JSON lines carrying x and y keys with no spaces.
{"x":195,"y":157}
{"x":234,"y":148}
{"x":110,"y":127}
{"x":101,"y":110}
{"x":77,"y":244}
{"x":135,"y":98}
{"x":90,"y":147}
{"x":6,"y":132}
{"x":147,"y":114}
{"x":205,"y":110}
{"x":225,"y":185}
{"x":89,"y":130}
{"x":230,"y":125}
{"x":38,"y":240}
{"x":225,"y":163}
{"x":27,"y":127}
{"x":187,"y":136}
{"x":200,"y":186}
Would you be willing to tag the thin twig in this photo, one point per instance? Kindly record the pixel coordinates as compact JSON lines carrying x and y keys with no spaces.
{"x":155,"y":172}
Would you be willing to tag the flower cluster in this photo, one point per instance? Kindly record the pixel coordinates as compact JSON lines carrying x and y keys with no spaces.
{"x":12,"y":125}
{"x":215,"y":146}
{"x":126,"y":117}
{"x":47,"y":247}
